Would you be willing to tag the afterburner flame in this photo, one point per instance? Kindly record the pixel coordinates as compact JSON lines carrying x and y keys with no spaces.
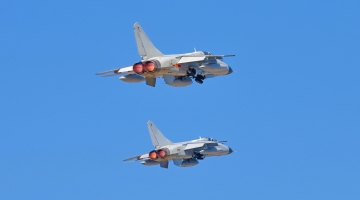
{"x":153,"y":155}
{"x":138,"y":68}
{"x":161,"y":153}
{"x":149,"y":66}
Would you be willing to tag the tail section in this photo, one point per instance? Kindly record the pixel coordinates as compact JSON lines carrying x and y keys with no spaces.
{"x":145,"y":47}
{"x":157,"y":138}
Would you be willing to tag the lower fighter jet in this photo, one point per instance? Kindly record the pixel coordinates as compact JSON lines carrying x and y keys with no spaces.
{"x":183,"y":154}
{"x":176,"y":69}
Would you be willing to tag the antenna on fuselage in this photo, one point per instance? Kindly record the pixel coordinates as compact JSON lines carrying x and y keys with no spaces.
{"x":194,"y":49}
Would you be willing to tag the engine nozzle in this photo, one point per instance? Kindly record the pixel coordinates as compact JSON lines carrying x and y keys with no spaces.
{"x":161,"y":153}
{"x":153,"y":155}
{"x":150,"y":66}
{"x":138,"y":68}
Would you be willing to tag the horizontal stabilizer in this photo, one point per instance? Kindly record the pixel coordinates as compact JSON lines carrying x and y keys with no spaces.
{"x":107,"y":75}
{"x":126,"y":69}
{"x":118,"y":71}
{"x":138,"y":158}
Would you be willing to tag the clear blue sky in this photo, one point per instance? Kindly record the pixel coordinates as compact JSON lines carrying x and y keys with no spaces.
{"x":291,"y":110}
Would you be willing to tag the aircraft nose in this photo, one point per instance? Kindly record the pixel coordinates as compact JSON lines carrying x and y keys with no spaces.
{"x":230,"y":71}
{"x":230,"y":150}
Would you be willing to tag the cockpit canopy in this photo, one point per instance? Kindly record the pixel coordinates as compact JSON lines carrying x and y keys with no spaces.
{"x":206,"y":53}
{"x":208,"y":139}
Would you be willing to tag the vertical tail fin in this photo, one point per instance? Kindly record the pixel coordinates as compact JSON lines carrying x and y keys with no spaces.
{"x":157,"y":138}
{"x":145,"y":47}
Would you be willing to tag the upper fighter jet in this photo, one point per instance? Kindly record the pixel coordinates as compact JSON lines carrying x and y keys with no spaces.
{"x":183,"y":154}
{"x":176,"y":69}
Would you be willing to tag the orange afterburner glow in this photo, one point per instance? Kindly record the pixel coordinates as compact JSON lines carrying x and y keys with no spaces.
{"x":153,"y":155}
{"x":138,"y":68}
{"x":150,"y":66}
{"x":161,"y":153}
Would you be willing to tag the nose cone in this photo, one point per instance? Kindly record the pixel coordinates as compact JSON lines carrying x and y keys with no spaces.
{"x":230,"y":71}
{"x":230,"y":150}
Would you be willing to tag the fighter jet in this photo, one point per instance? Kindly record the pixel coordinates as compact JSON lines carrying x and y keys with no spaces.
{"x":183,"y":154}
{"x":176,"y":69}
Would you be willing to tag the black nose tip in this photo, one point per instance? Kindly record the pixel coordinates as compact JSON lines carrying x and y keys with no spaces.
{"x":230,"y":70}
{"x":230,"y":150}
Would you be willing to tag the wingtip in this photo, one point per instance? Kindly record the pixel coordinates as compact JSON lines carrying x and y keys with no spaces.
{"x":136,"y":24}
